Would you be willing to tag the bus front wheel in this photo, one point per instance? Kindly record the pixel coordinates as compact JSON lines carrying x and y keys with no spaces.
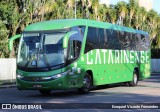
{"x":86,"y":84}
{"x":45,"y":92}
{"x":134,"y":81}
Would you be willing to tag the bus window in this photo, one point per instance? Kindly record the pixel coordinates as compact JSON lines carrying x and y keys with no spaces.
{"x":23,"y":53}
{"x":133,"y":41}
{"x":74,"y":49}
{"x":126,"y":41}
{"x":105,"y":39}
{"x":71,"y":54}
{"x":92,"y":41}
{"x":75,"y":42}
{"x":113,"y":41}
{"x":143,"y":43}
{"x":147,"y":43}
{"x":101,"y":38}
{"x":138,"y":42}
{"x":82,"y":30}
{"x":121,"y":39}
{"x":79,"y":29}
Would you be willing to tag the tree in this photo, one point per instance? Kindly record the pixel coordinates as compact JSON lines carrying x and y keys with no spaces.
{"x":16,"y":14}
{"x":122,"y":10}
{"x":70,"y":6}
{"x":152,"y":24}
{"x":95,"y":7}
{"x":102,"y":12}
{"x":112,"y":14}
{"x":143,"y":15}
{"x":4,"y":40}
{"x":132,"y":8}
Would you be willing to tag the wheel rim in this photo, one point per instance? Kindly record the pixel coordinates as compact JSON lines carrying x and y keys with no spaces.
{"x":87,"y":82}
{"x":135,"y":79}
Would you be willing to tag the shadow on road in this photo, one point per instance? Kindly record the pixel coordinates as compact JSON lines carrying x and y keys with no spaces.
{"x":74,"y":93}
{"x":147,"y":92}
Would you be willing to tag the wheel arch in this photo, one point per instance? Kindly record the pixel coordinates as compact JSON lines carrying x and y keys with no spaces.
{"x":91,"y":74}
{"x":137,"y":70}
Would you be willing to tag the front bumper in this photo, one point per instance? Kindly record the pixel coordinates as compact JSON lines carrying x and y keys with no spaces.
{"x":60,"y":83}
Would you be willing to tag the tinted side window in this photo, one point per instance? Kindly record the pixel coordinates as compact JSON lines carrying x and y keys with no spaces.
{"x":101,"y":38}
{"x":92,"y":41}
{"x":147,"y":42}
{"x":134,"y":41}
{"x":128,"y":40}
{"x":98,"y":38}
{"x":121,"y":39}
{"x":135,"y":36}
{"x":144,"y":43}
{"x":141,"y":42}
{"x":112,"y":38}
{"x":138,"y":42}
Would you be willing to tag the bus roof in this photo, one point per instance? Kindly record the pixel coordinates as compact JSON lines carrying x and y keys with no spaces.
{"x":67,"y":23}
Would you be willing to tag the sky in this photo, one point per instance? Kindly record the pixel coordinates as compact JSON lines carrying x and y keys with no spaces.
{"x":156,"y":4}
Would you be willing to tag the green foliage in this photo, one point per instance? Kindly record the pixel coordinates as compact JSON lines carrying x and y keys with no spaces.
{"x":3,"y":40}
{"x":16,"y":14}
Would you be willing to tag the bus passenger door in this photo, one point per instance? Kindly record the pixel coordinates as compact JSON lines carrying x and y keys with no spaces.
{"x":73,"y":54}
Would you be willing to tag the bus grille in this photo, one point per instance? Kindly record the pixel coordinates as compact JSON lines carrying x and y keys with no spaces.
{"x":35,"y":79}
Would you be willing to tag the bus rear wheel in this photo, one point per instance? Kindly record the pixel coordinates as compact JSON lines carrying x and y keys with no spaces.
{"x":87,"y":81}
{"x":45,"y":92}
{"x":134,"y":81}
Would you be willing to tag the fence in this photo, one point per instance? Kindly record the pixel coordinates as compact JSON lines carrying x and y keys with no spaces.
{"x":8,"y":68}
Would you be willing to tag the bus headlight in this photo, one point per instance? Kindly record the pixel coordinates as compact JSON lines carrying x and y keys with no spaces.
{"x":57,"y":76}
{"x":60,"y":75}
{"x":19,"y":76}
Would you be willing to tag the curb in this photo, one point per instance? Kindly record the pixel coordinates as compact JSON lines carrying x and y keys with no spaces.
{"x":7,"y":86}
{"x":155,"y":73}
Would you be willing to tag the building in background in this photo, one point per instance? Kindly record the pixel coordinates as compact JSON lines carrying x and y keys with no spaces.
{"x":113,"y":2}
{"x":148,"y":4}
{"x":107,"y":2}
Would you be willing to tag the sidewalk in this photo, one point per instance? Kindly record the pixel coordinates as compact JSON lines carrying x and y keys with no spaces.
{"x":7,"y":83}
{"x":155,"y":73}
{"x":7,"y":86}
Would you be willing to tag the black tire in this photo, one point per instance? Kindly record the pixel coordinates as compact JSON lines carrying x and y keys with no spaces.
{"x":134,"y":81}
{"x":87,"y":81}
{"x":45,"y":92}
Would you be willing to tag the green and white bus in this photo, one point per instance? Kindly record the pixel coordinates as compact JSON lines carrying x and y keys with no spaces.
{"x":79,"y":53}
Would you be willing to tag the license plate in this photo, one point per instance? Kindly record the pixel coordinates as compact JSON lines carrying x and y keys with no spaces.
{"x":37,"y":86}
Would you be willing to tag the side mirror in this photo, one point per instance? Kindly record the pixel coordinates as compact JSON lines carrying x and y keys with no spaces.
{"x":11,"y":41}
{"x":66,"y":38}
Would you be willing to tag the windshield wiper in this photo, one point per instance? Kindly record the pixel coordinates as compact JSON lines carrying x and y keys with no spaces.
{"x":57,"y":66}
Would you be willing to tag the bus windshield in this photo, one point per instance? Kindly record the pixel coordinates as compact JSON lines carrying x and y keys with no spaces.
{"x":39,"y":50}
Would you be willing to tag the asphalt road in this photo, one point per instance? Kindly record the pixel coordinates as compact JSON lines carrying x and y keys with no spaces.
{"x":147,"y":91}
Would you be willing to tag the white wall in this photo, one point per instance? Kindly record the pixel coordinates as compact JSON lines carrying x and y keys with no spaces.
{"x":155,"y":65}
{"x":7,"y":69}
